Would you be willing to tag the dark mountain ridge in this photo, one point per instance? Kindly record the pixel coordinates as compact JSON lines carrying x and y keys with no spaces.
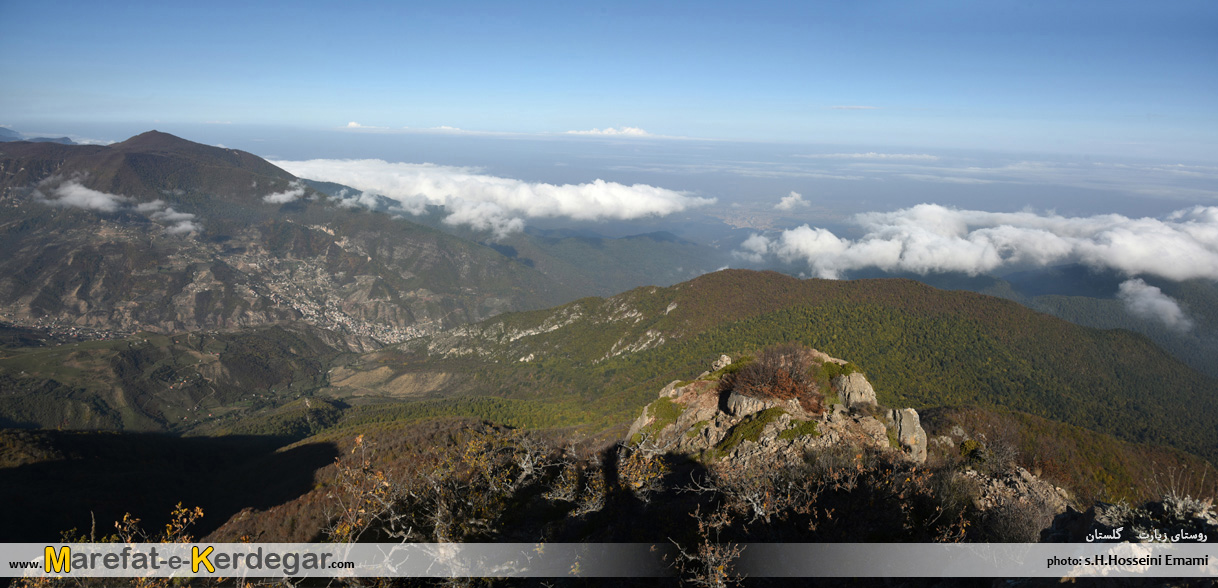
{"x":147,"y":167}
{"x":187,"y":236}
{"x":7,"y":135}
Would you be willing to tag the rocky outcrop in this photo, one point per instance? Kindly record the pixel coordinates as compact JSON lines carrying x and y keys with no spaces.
{"x":670,"y":391}
{"x":690,"y":419}
{"x":740,"y":405}
{"x":874,"y":430}
{"x":1019,"y":488}
{"x":909,"y":430}
{"x":854,"y":390}
{"x":742,"y":433}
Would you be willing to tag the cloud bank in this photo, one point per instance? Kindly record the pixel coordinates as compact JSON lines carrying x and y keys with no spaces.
{"x":872,"y":155}
{"x":754,"y":249}
{"x":294,"y":191}
{"x":622,"y":131}
{"x":932,"y":238}
{"x":485,"y":202}
{"x":1146,"y":301}
{"x":792,"y":201}
{"x":72,"y":194}
{"x":180,"y":223}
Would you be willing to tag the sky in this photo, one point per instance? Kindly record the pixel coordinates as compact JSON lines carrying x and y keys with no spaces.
{"x":1134,"y":79}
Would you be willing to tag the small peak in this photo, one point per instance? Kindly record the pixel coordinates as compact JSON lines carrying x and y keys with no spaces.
{"x":155,"y":134}
{"x":155,"y":140}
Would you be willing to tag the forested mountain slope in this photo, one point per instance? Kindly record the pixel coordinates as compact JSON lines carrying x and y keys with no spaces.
{"x":921,"y":346}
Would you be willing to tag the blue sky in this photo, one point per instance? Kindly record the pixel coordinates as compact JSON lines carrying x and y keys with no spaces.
{"x":1114,"y":78}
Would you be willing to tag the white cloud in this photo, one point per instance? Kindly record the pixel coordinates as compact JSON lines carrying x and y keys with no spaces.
{"x":73,"y":194}
{"x":622,"y":131}
{"x":436,"y":130}
{"x":792,"y":201}
{"x":354,"y":126}
{"x":295,"y":190}
{"x":367,"y":200}
{"x":871,"y":155}
{"x":170,"y":215}
{"x":1150,"y":302}
{"x":184,"y":227}
{"x":753,"y":249}
{"x":932,"y":238}
{"x":153,"y":206}
{"x":945,"y":179}
{"x":447,"y":130}
{"x":180,"y":223}
{"x":486,"y":202}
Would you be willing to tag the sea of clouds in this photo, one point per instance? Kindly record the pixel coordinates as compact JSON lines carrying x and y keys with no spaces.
{"x":930,"y":238}
{"x":491,"y":203}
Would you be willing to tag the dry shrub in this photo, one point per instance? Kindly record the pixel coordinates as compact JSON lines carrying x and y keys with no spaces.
{"x":780,"y":372}
{"x":710,"y":562}
{"x":1014,"y":523}
{"x":841,"y":494}
{"x":463,"y":495}
{"x":128,"y":531}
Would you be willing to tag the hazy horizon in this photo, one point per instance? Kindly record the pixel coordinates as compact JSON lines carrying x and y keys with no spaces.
{"x":1102,"y":78}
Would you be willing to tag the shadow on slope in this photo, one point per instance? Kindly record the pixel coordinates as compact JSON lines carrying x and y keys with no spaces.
{"x":57,"y":480}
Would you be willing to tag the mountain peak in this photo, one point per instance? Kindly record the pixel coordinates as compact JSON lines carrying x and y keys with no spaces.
{"x":152,"y":164}
{"x":157,"y":141}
